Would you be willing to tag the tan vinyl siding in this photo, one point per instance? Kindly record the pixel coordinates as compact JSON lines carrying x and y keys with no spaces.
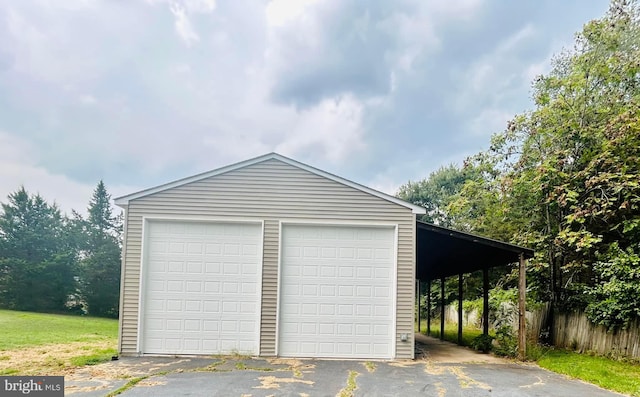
{"x":270,"y":191}
{"x":269,"y":287}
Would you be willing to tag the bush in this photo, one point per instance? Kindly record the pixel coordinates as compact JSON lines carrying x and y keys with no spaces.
{"x":482,"y":343}
{"x":507,"y":343}
{"x":614,"y":302}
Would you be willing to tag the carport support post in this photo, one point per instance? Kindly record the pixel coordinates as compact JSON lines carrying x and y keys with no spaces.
{"x":485,"y":301}
{"x":442,"y":308}
{"x":522,"y":321}
{"x":460,"y":309}
{"x":429,"y":306}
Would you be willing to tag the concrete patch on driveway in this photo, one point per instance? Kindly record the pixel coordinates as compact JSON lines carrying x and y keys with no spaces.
{"x":446,"y":352}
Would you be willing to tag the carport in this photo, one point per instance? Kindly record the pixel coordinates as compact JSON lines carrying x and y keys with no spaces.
{"x":443,"y":253}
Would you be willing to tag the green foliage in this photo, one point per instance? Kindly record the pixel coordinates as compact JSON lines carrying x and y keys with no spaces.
{"x":499,"y":296}
{"x":37,"y":261}
{"x":614,"y":300}
{"x":578,"y":171}
{"x":535,"y":352}
{"x":52,"y":263}
{"x":564,"y":177}
{"x":507,"y":342}
{"x":100,"y":266}
{"x":435,"y":193}
{"x":483,"y":343}
{"x":472,"y":305}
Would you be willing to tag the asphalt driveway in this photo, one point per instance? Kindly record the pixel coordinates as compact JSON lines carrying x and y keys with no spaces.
{"x":443,"y":370}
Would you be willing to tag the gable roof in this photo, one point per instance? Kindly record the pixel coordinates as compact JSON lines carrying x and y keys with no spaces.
{"x":124,"y":200}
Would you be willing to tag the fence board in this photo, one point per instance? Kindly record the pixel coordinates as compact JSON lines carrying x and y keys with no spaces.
{"x":571,"y":330}
{"x":575,"y":331}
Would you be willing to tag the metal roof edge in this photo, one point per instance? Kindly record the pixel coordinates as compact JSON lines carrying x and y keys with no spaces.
{"x":528,"y":252}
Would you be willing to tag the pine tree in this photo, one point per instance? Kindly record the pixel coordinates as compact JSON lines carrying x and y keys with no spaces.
{"x":100,"y":266}
{"x":37,"y":261}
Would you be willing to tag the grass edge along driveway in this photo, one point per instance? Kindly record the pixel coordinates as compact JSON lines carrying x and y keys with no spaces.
{"x":48,"y":344}
{"x":619,"y":375}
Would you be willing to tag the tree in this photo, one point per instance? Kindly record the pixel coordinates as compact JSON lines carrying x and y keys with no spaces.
{"x":37,"y":263}
{"x":100,"y":266}
{"x":569,"y":171}
{"x":436,"y":192}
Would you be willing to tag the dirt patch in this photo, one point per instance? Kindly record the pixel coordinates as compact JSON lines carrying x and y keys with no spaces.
{"x":296,"y":366}
{"x":404,"y":363}
{"x":465,"y":380}
{"x":123,"y":370}
{"x":151,"y":383}
{"x":272,"y":382}
{"x":48,"y":359}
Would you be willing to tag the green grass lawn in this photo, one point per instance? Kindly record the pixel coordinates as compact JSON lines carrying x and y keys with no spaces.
{"x":451,"y":332}
{"x":616,"y":375}
{"x":620,"y":376}
{"x":39,"y":343}
{"x":27,"y":329}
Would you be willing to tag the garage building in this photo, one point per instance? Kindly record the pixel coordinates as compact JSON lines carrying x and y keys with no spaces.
{"x":268,"y":257}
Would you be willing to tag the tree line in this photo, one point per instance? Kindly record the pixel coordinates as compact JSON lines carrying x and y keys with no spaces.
{"x":564,"y":177}
{"x":51,"y":262}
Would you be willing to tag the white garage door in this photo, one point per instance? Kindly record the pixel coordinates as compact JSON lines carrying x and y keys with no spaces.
{"x":336,"y":297}
{"x":202,"y":288}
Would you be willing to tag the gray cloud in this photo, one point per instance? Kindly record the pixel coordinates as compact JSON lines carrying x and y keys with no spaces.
{"x":340,"y":47}
{"x":379,"y":92}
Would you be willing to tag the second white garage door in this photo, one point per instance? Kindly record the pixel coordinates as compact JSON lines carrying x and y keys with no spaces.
{"x":201,"y":288}
{"x":337,"y":292}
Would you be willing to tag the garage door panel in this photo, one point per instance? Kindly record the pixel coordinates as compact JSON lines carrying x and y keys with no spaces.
{"x":201,"y":293}
{"x":336,"y":292}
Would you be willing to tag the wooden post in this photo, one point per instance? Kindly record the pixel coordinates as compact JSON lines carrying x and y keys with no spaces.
{"x":429,"y":306}
{"x":442,"y":308}
{"x":485,"y":301}
{"x":418,"y":282}
{"x":522,"y":321}
{"x":460,"y":309}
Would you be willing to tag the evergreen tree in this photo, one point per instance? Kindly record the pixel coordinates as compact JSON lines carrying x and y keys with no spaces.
{"x":100,"y":266}
{"x":37,"y":261}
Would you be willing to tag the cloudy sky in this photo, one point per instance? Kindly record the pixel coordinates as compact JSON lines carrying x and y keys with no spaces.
{"x":142,"y":92}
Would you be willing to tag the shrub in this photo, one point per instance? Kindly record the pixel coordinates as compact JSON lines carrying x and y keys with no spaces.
{"x":507,"y":343}
{"x":482,"y":343}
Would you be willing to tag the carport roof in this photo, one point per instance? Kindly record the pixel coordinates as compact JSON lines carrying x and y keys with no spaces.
{"x":443,"y":252}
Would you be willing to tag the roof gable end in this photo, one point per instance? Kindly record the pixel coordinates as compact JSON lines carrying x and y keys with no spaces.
{"x":124,"y":200}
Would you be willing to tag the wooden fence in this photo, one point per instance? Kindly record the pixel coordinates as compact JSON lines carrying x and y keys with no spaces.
{"x":570,"y":330}
{"x":575,"y":331}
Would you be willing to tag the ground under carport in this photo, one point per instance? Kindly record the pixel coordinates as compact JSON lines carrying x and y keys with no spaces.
{"x":443,"y":369}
